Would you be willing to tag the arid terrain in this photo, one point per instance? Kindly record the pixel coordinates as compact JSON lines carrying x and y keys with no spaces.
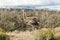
{"x":30,"y":24}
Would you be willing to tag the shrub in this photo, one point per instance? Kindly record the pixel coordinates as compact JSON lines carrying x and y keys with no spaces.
{"x":57,"y":29}
{"x":11,"y":21}
{"x":3,"y":35}
{"x":1,"y":30}
{"x":44,"y":34}
{"x":57,"y":33}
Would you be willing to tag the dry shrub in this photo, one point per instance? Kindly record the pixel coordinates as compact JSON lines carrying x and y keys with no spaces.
{"x":13,"y":20}
{"x":49,"y":19}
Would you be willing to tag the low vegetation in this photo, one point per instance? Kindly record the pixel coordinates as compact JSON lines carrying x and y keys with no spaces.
{"x":45,"y":34}
{"x":16,"y":20}
{"x":41,"y":34}
{"x":3,"y":35}
{"x":44,"y":24}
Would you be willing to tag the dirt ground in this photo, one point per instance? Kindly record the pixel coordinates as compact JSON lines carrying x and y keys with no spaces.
{"x":27,"y":35}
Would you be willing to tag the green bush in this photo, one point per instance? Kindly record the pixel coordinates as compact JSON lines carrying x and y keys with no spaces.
{"x":3,"y":35}
{"x":44,"y":34}
{"x":1,"y":30}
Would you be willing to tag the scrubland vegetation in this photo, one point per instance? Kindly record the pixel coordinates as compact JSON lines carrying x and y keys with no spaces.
{"x":31,"y":24}
{"x":3,"y":35}
{"x":41,"y":34}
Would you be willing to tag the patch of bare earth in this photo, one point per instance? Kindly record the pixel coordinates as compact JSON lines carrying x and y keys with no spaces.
{"x":27,"y":35}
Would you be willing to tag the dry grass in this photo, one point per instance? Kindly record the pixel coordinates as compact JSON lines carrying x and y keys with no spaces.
{"x":27,"y":35}
{"x":57,"y":33}
{"x":36,"y":34}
